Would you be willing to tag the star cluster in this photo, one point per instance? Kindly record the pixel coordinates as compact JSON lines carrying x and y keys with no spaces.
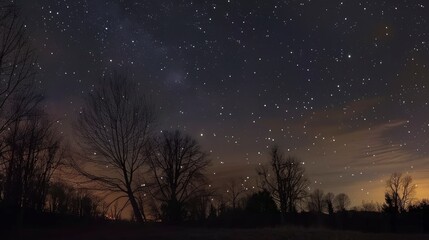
{"x":343,"y":85}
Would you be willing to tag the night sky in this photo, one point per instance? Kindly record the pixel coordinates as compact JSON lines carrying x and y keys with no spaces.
{"x":342,"y":85}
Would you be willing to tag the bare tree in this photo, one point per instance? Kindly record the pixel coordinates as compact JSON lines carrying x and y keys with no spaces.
{"x":65,"y":199}
{"x":285,"y":179}
{"x":200,"y":204}
{"x":177,"y":164}
{"x":59,"y":198}
{"x":31,"y":153}
{"x":341,"y":202}
{"x":316,"y":201}
{"x":18,"y":99}
{"x":17,"y":64}
{"x":400,"y":190}
{"x":114,"y":130}
{"x":371,"y":207}
{"x":329,"y":201}
{"x":234,"y":191}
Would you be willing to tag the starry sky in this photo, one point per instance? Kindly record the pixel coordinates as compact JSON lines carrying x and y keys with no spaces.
{"x":342,"y":85}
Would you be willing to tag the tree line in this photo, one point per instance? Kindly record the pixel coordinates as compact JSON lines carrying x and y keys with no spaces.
{"x":118,"y":153}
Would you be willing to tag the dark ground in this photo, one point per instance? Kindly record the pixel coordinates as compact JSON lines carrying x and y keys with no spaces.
{"x":131,"y":232}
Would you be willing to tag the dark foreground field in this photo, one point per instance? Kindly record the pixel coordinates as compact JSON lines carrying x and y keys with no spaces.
{"x":149,"y":232}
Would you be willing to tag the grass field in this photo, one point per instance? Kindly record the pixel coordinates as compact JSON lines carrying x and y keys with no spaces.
{"x":177,"y":233}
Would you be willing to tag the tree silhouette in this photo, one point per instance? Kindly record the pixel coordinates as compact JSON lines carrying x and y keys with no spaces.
{"x":420,"y":206}
{"x":233,"y":192}
{"x":114,"y":133}
{"x":17,"y":66}
{"x":370,"y":207}
{"x":60,"y":197}
{"x":200,"y":205}
{"x":177,"y":164}
{"x":31,"y":153}
{"x":285,"y":179}
{"x":329,"y":201}
{"x":64,"y":199}
{"x":262,"y":208}
{"x":400,"y":192}
{"x":261,"y":202}
{"x":341,"y":202}
{"x":316,"y":201}
{"x":30,"y":149}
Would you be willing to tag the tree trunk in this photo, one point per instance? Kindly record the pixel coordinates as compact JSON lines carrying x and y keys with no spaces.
{"x":283,"y":210}
{"x":135,"y":206}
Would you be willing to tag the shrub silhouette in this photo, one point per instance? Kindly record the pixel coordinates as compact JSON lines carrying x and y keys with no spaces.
{"x":262,"y":209}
